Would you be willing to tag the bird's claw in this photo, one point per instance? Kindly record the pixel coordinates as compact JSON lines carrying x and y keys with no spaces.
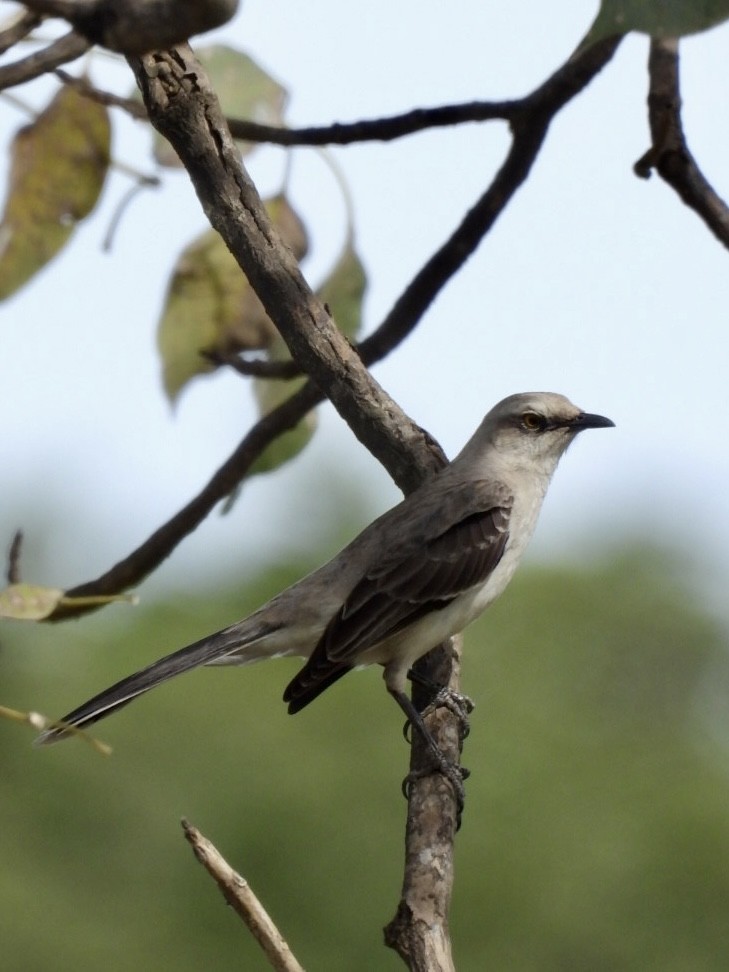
{"x":455,"y":774}
{"x":460,"y":706}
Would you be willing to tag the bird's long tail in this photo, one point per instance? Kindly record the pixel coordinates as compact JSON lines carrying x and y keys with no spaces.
{"x":202,"y":652}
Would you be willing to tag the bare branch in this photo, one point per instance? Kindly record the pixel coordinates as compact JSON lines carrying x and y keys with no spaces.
{"x":237,"y":892}
{"x":84,"y":87}
{"x":375,"y":129}
{"x":255,"y":367}
{"x":669,"y":154}
{"x":65,"y":49}
{"x":17,"y":30}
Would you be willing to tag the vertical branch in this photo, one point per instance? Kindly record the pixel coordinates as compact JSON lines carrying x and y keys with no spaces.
{"x":669,"y":153}
{"x":419,"y":931}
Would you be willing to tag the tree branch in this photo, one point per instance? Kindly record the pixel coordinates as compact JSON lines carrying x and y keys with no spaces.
{"x":65,"y":49}
{"x":669,"y":154}
{"x":183,"y":107}
{"x":17,"y":30}
{"x":239,"y":895}
{"x":375,"y":129}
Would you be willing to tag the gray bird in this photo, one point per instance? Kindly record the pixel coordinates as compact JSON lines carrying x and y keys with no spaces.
{"x":415,"y":576}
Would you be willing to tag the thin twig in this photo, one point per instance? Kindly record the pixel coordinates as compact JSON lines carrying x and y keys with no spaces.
{"x":13,"y":571}
{"x":669,"y":154}
{"x":65,"y":49}
{"x":19,"y":29}
{"x":375,"y":129}
{"x":84,"y":87}
{"x":255,"y":367}
{"x":237,"y":892}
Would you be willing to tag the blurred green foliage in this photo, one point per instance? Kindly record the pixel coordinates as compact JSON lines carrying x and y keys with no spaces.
{"x":596,"y":831}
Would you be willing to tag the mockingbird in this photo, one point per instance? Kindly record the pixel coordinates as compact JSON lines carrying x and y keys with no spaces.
{"x":417,"y":575}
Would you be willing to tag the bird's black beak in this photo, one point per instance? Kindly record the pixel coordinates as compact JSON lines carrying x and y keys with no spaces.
{"x":586,"y":420}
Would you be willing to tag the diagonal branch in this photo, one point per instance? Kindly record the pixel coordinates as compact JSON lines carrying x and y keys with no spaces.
{"x":239,"y":895}
{"x":18,"y":29}
{"x":182,"y":105}
{"x":669,"y":154}
{"x":65,"y":49}
{"x":149,"y":555}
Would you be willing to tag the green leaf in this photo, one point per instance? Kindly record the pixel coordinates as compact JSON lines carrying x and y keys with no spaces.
{"x":59,"y":164}
{"x":270,"y":393}
{"x":659,"y":18}
{"x":210,"y":306}
{"x":244,"y":89}
{"x":343,"y":291}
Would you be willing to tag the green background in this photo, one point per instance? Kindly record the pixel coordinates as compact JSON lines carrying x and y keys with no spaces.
{"x":596,"y":830}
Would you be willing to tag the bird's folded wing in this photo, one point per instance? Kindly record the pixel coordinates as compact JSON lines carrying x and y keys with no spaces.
{"x":452,"y":550}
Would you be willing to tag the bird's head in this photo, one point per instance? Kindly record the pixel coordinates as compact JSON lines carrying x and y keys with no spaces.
{"x":532,"y":430}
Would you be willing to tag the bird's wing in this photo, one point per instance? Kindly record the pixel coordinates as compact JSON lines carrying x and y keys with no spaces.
{"x":449,"y":552}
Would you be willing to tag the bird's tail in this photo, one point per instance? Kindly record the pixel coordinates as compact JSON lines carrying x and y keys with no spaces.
{"x":250,"y":644}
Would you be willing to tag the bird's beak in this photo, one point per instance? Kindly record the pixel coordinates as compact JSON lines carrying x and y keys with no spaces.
{"x":586,"y":420}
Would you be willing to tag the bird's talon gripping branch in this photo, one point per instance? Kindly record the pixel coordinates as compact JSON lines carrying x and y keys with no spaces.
{"x":451,"y":771}
{"x":457,"y":704}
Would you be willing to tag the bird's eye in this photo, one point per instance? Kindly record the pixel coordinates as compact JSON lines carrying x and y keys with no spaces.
{"x":532,"y":421}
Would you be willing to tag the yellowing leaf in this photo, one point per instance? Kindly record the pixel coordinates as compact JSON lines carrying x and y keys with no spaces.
{"x":269,"y":393}
{"x":59,"y":164}
{"x":343,"y":291}
{"x":28,"y":602}
{"x":245,"y":91}
{"x":32,"y":602}
{"x":210,"y":306}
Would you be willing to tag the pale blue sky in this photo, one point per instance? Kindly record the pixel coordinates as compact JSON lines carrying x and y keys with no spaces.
{"x":593,"y":283}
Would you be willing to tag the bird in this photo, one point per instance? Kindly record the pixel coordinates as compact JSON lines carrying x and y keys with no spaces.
{"x":416,"y":575}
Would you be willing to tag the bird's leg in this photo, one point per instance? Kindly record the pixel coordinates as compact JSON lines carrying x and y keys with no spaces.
{"x":459,"y":705}
{"x":454,"y":773}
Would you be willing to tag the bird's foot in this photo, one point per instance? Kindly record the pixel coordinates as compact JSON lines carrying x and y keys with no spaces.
{"x":455,"y":774}
{"x":440,"y":763}
{"x":459,"y":705}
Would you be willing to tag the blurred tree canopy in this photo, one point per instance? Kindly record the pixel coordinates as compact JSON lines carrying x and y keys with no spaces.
{"x":599,"y":803}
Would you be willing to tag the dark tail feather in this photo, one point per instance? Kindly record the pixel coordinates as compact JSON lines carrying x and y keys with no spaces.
{"x":123,"y":692}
